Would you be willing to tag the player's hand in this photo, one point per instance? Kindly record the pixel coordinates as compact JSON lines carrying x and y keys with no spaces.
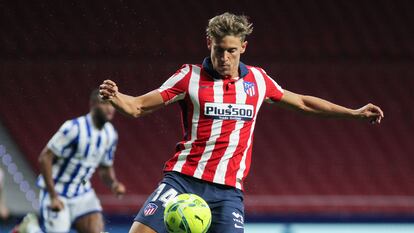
{"x":118,"y":189}
{"x":108,"y":89}
{"x":56,"y":204}
{"x":372,"y":113}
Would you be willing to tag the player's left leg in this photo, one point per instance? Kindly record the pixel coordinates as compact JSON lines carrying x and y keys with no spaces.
{"x":227,"y":212}
{"x":91,"y":223}
{"x":227,"y":218}
{"x":86,"y":214}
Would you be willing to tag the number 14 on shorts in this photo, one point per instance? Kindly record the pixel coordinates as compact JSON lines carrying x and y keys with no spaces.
{"x":164,"y":197}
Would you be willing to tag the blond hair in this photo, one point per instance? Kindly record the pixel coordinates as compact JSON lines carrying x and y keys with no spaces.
{"x":228,"y":24}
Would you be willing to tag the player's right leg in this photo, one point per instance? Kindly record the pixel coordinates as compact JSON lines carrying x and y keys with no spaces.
{"x":150,"y":218}
{"x":138,"y":227}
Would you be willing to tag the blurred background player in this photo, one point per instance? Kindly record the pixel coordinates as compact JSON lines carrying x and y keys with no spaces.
{"x":4,"y":211}
{"x":67,"y":163}
{"x":220,"y":100}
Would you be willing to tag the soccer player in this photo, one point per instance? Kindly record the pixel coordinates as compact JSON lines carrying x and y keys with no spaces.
{"x":67,"y":163}
{"x":219,"y":101}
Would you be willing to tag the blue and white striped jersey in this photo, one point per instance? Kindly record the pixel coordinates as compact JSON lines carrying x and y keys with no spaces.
{"x":80,"y":148}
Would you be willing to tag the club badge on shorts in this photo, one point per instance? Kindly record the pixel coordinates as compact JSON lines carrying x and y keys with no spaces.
{"x":249,"y":88}
{"x":150,"y":209}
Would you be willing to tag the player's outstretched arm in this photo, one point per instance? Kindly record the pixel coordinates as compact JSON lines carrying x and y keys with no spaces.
{"x":318,"y":106}
{"x":129,"y":105}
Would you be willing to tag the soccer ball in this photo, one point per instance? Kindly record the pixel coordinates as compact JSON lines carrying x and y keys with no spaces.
{"x":187,"y":213}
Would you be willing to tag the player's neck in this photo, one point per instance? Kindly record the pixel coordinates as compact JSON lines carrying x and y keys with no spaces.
{"x":97,"y":122}
{"x":234,"y":76}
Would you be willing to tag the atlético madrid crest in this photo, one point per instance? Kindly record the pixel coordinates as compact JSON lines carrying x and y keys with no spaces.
{"x":150,"y":209}
{"x":249,"y":88}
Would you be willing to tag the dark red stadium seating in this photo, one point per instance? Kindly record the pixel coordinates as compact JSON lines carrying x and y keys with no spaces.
{"x":351,"y":52}
{"x":284,"y":30}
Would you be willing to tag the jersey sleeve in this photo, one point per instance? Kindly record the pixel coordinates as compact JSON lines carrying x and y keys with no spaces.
{"x":108,"y":159}
{"x":175,"y":88}
{"x":274,"y":92}
{"x":64,"y":139}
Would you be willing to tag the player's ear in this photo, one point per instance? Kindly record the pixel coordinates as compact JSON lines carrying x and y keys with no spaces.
{"x":243,"y":46}
{"x":208,"y":39}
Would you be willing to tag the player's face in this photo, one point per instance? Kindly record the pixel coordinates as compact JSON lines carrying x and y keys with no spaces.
{"x":225,"y":54}
{"x":105,"y":111}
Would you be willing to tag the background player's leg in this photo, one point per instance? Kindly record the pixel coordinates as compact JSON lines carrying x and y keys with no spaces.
{"x":91,"y":223}
{"x":86,"y":213}
{"x":138,"y":227}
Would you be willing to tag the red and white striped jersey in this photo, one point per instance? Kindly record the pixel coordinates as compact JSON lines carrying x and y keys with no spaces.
{"x":218,"y":118}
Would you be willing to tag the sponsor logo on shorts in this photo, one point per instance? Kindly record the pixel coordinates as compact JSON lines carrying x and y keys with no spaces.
{"x":225,"y":111}
{"x":150,"y":209}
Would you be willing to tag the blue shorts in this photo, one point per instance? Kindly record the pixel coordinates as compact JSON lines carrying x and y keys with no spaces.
{"x":226,"y":203}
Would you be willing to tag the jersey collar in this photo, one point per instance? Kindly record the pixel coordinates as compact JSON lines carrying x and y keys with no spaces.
{"x":208,"y":67}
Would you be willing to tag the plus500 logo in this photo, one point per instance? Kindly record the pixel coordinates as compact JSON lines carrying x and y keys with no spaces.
{"x":225,"y":111}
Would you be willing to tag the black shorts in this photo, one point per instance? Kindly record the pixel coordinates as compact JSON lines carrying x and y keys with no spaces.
{"x":226,"y":203}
